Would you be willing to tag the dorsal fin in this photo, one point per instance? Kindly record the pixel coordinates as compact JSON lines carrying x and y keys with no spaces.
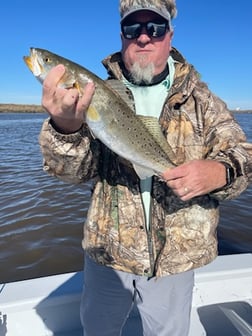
{"x":152,"y":124}
{"x":122,"y":91}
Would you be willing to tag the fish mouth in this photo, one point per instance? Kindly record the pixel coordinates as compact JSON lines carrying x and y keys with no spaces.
{"x":33,"y":63}
{"x":28,"y":62}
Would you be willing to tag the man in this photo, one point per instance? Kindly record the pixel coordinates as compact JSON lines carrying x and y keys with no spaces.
{"x":143,"y":238}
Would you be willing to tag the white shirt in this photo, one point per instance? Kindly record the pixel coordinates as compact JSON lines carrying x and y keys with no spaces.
{"x":149,"y":101}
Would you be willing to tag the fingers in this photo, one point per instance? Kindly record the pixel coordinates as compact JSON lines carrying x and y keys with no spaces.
{"x":174,"y":173}
{"x":85,"y":100}
{"x":179,"y":180}
{"x":52,"y":95}
{"x":58,"y":100}
{"x":69,"y":98}
{"x":72,"y":99}
{"x":66,"y":107}
{"x":195,"y":178}
{"x":182,"y":189}
{"x":52,"y":79}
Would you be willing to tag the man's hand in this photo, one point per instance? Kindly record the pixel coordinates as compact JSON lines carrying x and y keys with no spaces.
{"x":195,"y":178}
{"x":65,"y":106}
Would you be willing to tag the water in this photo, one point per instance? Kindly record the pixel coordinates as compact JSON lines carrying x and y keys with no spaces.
{"x":41,"y":218}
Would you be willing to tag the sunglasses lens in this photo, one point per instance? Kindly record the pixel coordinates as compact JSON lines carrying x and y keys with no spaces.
{"x":131,"y":31}
{"x":153,"y":29}
{"x":156,"y":29}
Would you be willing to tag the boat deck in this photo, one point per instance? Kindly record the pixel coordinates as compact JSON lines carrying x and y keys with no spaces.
{"x":222,"y":303}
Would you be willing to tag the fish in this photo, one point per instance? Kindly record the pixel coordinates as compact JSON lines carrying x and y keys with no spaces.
{"x":110,"y":118}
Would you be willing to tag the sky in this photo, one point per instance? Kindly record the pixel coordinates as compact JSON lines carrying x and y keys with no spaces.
{"x":215,"y":36}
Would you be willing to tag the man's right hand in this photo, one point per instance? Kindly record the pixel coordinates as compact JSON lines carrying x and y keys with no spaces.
{"x":65,"y":106}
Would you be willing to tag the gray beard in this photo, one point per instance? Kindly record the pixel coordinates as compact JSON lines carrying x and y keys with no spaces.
{"x":142,"y":74}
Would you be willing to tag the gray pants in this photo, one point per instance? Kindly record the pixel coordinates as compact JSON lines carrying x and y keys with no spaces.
{"x":116,"y":303}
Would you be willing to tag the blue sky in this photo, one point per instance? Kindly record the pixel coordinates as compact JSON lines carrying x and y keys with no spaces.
{"x":215,"y":36}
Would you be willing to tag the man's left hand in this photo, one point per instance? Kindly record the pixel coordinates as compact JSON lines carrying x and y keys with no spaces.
{"x":195,"y":178}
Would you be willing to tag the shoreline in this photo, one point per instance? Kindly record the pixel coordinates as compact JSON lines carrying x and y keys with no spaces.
{"x":21,"y":108}
{"x":33,"y":108}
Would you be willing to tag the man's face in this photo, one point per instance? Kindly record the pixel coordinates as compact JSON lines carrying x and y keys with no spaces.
{"x":145,"y":50}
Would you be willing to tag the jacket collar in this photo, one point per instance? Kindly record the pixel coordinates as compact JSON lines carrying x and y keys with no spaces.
{"x":181,"y":87}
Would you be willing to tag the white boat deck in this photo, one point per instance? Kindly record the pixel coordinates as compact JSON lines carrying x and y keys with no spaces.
{"x":222,"y":303}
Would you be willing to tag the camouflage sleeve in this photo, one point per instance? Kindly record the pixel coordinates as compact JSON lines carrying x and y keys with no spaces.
{"x":72,"y":157}
{"x":248,"y":148}
{"x":226,"y":142}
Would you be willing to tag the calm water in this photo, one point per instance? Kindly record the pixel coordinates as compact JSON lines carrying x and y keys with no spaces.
{"x":41,"y":217}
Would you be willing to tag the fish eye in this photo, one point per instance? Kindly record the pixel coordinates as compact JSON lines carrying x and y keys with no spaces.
{"x":47,"y":60}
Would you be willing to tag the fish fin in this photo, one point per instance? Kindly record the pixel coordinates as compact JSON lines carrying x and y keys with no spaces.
{"x":153,"y":126}
{"x":143,"y":172}
{"x":70,"y":83}
{"x":92,"y":113}
{"x":77,"y":86}
{"x":120,"y":89}
{"x":92,"y":134}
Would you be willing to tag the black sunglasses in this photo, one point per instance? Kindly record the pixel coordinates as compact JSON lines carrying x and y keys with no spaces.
{"x":132,"y":31}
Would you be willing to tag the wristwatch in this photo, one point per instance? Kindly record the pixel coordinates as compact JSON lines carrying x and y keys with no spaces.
{"x":230,"y":175}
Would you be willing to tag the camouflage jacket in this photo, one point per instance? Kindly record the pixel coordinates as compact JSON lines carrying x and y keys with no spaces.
{"x":197,"y":125}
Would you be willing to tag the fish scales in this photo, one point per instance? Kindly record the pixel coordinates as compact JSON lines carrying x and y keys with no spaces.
{"x":136,"y":138}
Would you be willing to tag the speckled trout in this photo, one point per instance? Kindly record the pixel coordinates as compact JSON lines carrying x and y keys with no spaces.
{"x":110,"y":118}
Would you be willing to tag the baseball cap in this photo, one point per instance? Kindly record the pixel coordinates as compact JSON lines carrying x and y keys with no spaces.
{"x":160,"y":10}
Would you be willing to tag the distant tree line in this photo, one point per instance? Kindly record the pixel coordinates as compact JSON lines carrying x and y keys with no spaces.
{"x":22,"y":108}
